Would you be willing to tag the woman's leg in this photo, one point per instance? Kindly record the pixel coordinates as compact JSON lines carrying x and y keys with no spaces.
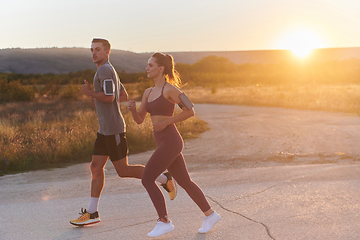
{"x":178,"y":170}
{"x":180,"y":173}
{"x":154,"y":167}
{"x":158,"y":163}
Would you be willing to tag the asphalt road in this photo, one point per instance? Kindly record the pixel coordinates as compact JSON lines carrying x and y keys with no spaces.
{"x":264,"y":182}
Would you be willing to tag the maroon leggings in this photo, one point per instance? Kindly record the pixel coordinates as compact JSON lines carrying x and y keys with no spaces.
{"x":168,"y":155}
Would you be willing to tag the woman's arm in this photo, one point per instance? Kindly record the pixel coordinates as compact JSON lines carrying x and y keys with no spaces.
{"x":139,"y":116}
{"x":173,"y":95}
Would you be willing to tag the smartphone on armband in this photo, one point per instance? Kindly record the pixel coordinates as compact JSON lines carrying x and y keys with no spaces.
{"x":109,"y":87}
{"x":185,"y":101}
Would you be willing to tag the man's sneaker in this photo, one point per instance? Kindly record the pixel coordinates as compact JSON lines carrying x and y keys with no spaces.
{"x":209,"y":222}
{"x":86,"y":218}
{"x":170,"y":186}
{"x":161,"y":228}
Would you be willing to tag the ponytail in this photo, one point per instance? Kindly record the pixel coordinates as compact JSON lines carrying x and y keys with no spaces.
{"x":170,"y":74}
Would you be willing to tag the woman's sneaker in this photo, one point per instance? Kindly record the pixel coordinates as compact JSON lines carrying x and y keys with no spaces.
{"x":86,"y":218}
{"x":170,"y":186}
{"x":161,"y":228}
{"x":209,"y":222}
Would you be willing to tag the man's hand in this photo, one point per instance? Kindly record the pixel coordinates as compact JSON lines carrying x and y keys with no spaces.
{"x":86,"y":89}
{"x":93,"y":101}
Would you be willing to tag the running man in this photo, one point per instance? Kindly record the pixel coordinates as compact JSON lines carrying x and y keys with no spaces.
{"x":111,"y":138}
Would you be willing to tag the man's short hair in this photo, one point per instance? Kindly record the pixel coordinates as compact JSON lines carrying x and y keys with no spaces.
{"x":105,"y":42}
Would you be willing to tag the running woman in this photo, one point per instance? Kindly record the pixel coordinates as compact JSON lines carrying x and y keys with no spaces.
{"x":111,"y":138}
{"x":160,"y":102}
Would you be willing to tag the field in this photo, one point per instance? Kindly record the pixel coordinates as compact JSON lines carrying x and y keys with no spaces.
{"x":44,"y":123}
{"x":51,"y":133}
{"x":47,"y":133}
{"x":330,"y":98}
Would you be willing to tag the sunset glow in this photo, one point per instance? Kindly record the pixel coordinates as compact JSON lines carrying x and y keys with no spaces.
{"x":215,"y":26}
{"x":301,"y":42}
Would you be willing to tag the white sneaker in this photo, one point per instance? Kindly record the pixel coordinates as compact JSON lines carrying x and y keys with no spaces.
{"x":209,"y":222}
{"x":161,"y":228}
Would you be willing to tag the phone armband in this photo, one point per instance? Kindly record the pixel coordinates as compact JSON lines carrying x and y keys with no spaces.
{"x":185,"y":102}
{"x":109,"y":87}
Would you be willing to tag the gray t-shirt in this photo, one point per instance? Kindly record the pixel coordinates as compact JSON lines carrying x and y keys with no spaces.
{"x":110,"y":119}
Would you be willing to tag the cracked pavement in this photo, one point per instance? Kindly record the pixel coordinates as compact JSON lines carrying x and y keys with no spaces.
{"x":311,"y":192}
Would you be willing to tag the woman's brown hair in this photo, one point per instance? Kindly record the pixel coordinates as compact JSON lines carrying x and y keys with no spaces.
{"x":167,"y":61}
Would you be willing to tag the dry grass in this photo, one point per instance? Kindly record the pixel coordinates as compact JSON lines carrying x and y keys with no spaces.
{"x":342,"y":98}
{"x":55,"y":133}
{"x":36,"y":135}
{"x":51,"y":133}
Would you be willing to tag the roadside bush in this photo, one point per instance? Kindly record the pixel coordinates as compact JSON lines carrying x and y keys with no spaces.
{"x":70,"y":92}
{"x":143,"y":85}
{"x":50,"y":90}
{"x":15,"y":92}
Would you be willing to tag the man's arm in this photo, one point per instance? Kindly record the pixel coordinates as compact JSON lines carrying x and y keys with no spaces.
{"x":123,"y":95}
{"x":86,"y":89}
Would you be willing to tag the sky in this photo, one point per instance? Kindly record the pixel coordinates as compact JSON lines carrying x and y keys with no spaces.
{"x":183,"y":25}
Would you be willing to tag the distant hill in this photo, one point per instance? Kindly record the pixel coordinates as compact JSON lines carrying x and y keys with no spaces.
{"x":64,"y":60}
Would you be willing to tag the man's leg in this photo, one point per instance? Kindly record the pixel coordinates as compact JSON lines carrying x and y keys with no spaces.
{"x":91,"y":215}
{"x":118,"y":149}
{"x":97,"y":174}
{"x":124,"y":170}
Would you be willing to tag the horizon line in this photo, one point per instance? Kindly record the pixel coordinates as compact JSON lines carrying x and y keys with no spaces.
{"x":250,"y":50}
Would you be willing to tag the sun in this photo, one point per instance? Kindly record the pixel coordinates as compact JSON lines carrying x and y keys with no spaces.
{"x":301,"y":42}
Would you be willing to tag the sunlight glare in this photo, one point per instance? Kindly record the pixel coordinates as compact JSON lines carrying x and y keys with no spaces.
{"x":301,"y":42}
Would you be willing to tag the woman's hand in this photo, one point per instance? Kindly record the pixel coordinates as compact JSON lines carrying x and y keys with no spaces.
{"x":132,"y":105}
{"x":161,"y":125}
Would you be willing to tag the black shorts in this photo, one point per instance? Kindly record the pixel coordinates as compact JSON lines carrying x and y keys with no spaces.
{"x":114,"y":146}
